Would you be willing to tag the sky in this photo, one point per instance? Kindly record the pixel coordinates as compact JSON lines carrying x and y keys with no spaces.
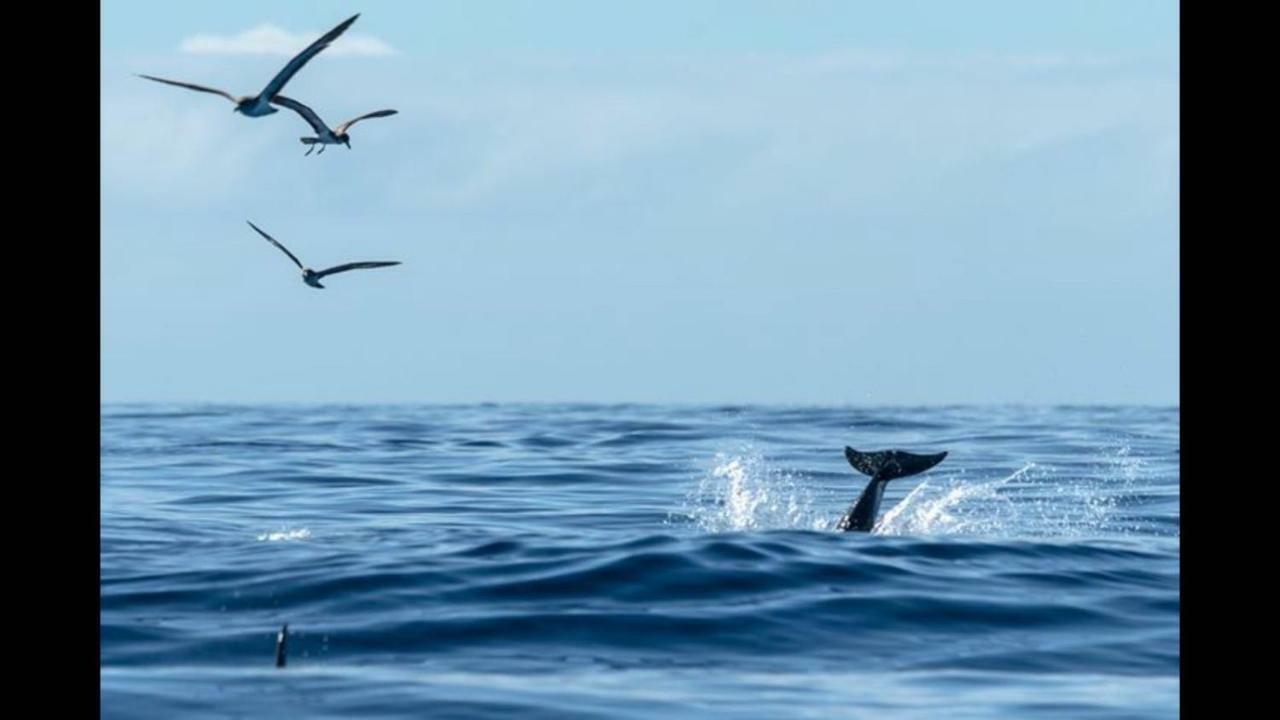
{"x":831,"y":203}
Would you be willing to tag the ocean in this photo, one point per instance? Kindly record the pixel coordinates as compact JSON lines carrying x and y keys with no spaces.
{"x":636,"y":561}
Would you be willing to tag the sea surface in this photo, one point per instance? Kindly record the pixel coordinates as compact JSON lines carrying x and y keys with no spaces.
{"x":634,"y":561}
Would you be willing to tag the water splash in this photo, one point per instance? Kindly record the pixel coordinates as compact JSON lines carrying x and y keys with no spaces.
{"x":1123,"y":474}
{"x":1035,"y":501}
{"x":294,"y":534}
{"x":954,"y":507}
{"x":742,"y":492}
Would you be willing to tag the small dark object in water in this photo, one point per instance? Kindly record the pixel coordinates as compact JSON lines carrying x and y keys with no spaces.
{"x":282,"y":645}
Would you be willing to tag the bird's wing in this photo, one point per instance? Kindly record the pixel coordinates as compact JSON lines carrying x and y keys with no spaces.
{"x":277,"y":83}
{"x":355,"y":266}
{"x":273,"y":242}
{"x":307,"y":113}
{"x":192,"y":86}
{"x":376,"y":113}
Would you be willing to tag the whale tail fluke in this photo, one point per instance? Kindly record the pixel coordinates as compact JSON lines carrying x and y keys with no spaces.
{"x":890,"y":464}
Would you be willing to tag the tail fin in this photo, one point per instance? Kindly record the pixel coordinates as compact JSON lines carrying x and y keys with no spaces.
{"x":890,"y":464}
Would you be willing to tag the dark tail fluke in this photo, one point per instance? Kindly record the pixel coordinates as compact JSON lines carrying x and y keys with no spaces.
{"x":890,"y":464}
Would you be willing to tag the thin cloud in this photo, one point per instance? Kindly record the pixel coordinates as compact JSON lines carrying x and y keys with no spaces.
{"x":267,"y":39}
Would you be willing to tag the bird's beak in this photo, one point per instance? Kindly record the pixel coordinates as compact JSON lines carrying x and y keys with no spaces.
{"x":348,"y":144}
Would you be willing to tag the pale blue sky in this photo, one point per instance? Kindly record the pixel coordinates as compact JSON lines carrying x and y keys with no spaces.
{"x":799,"y":202}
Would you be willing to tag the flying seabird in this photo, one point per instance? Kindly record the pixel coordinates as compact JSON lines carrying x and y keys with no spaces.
{"x":260,"y":104}
{"x":312,"y":277}
{"x":325,"y":136}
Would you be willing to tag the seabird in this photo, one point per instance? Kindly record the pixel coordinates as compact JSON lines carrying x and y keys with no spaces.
{"x":312,"y":277}
{"x":260,"y":104}
{"x":325,"y":136}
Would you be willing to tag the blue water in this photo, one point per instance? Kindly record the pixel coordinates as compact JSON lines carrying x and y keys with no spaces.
{"x":574,"y":561}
